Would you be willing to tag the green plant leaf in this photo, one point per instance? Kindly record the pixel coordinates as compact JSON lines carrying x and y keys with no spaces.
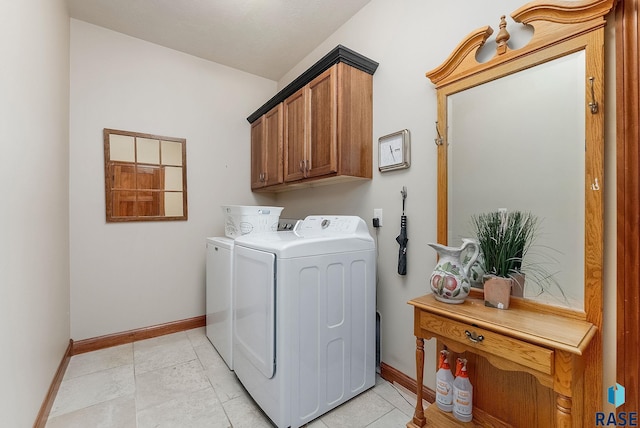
{"x":504,"y":239}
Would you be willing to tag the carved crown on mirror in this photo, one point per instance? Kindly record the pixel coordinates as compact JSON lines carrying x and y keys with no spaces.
{"x":553,"y":23}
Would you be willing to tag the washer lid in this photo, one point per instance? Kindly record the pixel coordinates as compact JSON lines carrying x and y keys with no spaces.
{"x":315,"y":235}
{"x":221,"y":241}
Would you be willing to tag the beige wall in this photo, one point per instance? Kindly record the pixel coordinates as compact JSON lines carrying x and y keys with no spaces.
{"x":34,"y":219}
{"x":132,"y":275}
{"x":409,"y":38}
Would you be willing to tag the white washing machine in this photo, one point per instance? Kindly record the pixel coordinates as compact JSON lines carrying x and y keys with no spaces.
{"x":219,"y":296}
{"x":304,"y":314}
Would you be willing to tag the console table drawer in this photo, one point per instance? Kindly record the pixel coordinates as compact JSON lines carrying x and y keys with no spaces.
{"x":505,"y":347}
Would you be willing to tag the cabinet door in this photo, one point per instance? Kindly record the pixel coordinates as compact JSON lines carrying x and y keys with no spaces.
{"x":272,"y":152}
{"x":322,"y":145}
{"x":257,"y":153}
{"x":295,"y":135}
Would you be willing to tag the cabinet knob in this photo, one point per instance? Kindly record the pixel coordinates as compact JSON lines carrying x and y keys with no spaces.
{"x":474,"y":337}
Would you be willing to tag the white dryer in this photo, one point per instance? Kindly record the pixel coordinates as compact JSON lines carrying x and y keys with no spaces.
{"x":304,"y":317}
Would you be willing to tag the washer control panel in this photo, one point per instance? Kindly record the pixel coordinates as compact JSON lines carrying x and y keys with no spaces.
{"x":331,"y":225}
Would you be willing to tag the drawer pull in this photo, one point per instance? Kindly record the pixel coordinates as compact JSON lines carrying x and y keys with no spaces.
{"x":473,"y":337}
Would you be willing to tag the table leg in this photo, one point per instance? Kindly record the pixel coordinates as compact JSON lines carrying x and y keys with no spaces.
{"x":565,"y":366}
{"x":418,"y":416}
{"x":563,"y":411}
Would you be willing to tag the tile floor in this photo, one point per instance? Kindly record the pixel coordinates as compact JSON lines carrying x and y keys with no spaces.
{"x":179,"y":380}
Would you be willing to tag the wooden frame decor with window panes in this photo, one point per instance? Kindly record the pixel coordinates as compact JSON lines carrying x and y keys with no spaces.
{"x":145,"y":177}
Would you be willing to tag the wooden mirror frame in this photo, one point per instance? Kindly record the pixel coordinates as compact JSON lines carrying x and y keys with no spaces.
{"x":560,"y":28}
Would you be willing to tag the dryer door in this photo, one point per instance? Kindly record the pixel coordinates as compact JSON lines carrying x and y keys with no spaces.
{"x":254,"y":307}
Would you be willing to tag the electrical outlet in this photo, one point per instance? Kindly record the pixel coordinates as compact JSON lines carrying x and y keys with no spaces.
{"x":377,"y":213}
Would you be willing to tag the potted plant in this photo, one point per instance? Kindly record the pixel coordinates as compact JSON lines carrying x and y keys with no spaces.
{"x":504,"y":239}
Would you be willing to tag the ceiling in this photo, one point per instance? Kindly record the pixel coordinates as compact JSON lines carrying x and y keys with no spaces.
{"x":262,"y":37}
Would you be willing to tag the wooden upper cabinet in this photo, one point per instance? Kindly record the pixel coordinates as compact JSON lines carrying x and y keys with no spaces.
{"x":295,"y":135}
{"x":327,"y":124}
{"x":257,"y":149}
{"x":310,"y":141}
{"x":322,"y":118}
{"x":266,"y":149}
{"x":355,"y":122}
{"x":328,"y":128}
{"x":273,"y":145}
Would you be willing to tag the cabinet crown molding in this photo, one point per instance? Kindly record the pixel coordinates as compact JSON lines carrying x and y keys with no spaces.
{"x":338,"y":54}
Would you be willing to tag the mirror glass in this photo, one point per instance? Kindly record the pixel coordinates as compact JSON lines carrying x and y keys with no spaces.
{"x":518,"y":143}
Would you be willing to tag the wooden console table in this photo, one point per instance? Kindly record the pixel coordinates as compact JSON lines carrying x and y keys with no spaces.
{"x":547,"y":346}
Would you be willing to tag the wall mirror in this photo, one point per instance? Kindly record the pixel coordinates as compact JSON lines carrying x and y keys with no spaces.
{"x":145,"y":177}
{"x":525,"y":131}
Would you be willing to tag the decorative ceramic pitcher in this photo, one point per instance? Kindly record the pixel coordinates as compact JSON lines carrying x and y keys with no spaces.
{"x":450,"y":278}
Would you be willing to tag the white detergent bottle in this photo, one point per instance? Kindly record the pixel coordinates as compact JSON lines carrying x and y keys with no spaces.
{"x":444,"y":383}
{"x":462,"y":393}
